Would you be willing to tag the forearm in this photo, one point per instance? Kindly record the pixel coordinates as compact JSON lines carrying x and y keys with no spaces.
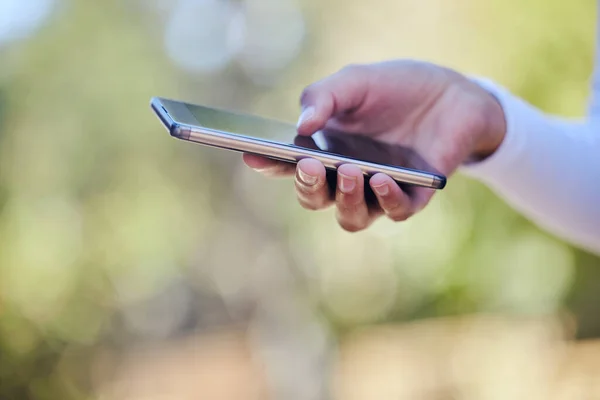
{"x":548,"y":169}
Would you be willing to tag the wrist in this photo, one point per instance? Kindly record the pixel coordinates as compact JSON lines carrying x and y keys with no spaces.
{"x":494,"y":127}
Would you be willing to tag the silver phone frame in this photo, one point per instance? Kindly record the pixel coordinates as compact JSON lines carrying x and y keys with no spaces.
{"x":181,"y":124}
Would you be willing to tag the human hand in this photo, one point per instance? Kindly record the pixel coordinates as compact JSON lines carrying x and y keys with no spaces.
{"x":442,"y":115}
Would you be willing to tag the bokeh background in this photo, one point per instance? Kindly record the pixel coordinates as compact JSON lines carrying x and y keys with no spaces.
{"x":135,"y":266}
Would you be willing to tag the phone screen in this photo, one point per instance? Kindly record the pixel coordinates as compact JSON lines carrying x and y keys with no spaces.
{"x":353,"y":146}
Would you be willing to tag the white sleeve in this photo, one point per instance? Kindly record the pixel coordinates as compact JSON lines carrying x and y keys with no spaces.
{"x":546,"y":168}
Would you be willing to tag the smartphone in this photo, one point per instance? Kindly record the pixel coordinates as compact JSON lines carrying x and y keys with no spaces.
{"x":279,"y":140}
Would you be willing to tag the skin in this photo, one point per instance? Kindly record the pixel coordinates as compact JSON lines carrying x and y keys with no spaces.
{"x":439,"y":113}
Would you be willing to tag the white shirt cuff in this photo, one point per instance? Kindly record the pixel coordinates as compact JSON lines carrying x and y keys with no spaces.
{"x":519,"y":116}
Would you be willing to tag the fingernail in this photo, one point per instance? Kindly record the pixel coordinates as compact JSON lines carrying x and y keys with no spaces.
{"x":382,"y":190}
{"x":306,"y":115}
{"x":347,"y":183}
{"x":306,"y":178}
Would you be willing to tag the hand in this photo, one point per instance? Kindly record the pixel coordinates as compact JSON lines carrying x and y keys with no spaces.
{"x":439,"y":113}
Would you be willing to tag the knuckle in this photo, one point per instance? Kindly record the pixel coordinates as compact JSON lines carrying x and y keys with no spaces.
{"x":307,"y":93}
{"x":312,"y":200}
{"x":399,"y":217}
{"x":350,"y":201}
{"x":399,"y":214}
{"x":352,"y":219}
{"x":281,"y":169}
{"x":346,"y":209}
{"x":278,"y":169}
{"x":271,"y":172}
{"x":306,"y":189}
{"x":352,"y":69}
{"x":308,"y":205}
{"x":350,"y":226}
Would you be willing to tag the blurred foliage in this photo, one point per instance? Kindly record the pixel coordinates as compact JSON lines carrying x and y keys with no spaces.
{"x":115,"y":235}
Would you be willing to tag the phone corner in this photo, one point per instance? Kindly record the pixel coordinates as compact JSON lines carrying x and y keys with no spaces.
{"x":155,"y":102}
{"x":180,"y":131}
{"x":439,"y":182}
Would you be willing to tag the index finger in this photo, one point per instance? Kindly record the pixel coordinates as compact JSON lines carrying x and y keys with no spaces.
{"x":336,"y":94}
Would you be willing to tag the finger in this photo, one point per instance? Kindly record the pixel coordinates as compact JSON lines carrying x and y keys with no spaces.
{"x":396,"y":204}
{"x":311,"y":185}
{"x":352,"y":210}
{"x":339,"y":93}
{"x":421,"y":197}
{"x":269,"y":167}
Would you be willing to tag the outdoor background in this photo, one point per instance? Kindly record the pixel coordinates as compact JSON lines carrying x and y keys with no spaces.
{"x":136,"y":266}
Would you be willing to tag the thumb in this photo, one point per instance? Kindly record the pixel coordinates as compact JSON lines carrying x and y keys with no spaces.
{"x":342,"y":92}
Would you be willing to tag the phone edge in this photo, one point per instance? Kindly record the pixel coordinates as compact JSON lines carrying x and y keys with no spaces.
{"x":244,"y":144}
{"x":224,"y":140}
{"x":161,"y":113}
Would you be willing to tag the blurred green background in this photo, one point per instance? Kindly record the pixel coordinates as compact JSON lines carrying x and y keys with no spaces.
{"x":115,"y":237}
